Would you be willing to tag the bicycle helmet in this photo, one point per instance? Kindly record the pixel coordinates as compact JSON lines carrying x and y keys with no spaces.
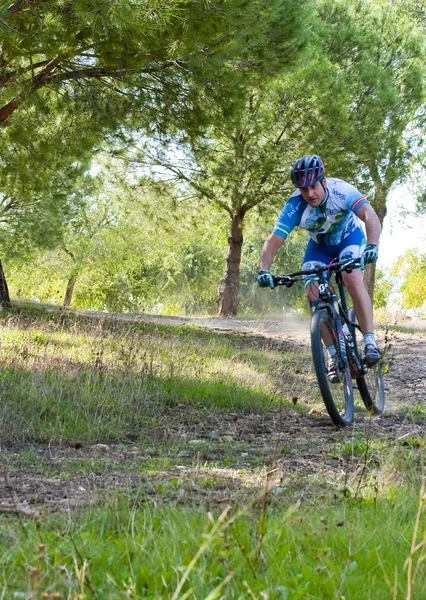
{"x":307,"y":171}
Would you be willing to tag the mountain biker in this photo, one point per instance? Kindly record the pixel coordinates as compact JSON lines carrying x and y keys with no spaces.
{"x":331,"y":210}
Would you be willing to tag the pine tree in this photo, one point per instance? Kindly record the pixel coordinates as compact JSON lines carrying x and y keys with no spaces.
{"x":76,"y":73}
{"x":369,"y":120}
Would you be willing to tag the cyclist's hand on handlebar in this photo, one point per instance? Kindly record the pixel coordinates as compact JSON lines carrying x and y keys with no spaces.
{"x":265,"y":279}
{"x":369,"y":256}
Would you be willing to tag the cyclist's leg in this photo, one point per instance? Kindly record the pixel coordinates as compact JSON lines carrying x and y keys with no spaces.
{"x":352,"y":247}
{"x":354,"y":283}
{"x":315,"y":256}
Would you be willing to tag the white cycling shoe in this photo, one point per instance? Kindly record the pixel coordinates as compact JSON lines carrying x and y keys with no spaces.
{"x":332,"y":372}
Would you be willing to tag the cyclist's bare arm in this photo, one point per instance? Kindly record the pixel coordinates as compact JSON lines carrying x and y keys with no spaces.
{"x":368,"y":215}
{"x":269,"y":250}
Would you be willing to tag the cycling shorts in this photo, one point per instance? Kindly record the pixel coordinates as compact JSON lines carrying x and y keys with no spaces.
{"x":319,"y":255}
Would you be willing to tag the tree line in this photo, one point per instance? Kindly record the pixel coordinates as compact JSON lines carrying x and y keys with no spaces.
{"x":126,"y":125}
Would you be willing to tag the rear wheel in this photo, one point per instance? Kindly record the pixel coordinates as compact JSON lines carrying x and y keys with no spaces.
{"x":370,"y":385}
{"x":338,"y":397}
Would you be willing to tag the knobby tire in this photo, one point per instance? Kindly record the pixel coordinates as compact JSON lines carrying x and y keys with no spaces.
{"x":338,"y":397}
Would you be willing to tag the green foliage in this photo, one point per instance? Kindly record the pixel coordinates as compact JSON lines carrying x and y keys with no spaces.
{"x":136,"y":247}
{"x":73,"y":74}
{"x":221,"y":98}
{"x":375,"y":80}
{"x":236,"y":161}
{"x":411,"y":268}
{"x":382,"y":290}
{"x":163,"y":63}
{"x":130,"y":249}
{"x":41,"y":187}
{"x":353,"y":95}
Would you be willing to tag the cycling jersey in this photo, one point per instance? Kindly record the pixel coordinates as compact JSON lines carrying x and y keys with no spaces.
{"x":329,"y":223}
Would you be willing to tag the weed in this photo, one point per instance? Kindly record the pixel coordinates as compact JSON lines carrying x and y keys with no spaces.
{"x":182,"y":463}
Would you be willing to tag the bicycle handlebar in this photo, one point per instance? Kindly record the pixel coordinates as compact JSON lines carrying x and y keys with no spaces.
{"x":333,"y":267}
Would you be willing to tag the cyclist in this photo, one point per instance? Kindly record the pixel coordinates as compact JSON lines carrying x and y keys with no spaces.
{"x":331,"y":210}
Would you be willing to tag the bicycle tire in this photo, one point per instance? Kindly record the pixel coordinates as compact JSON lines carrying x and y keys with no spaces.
{"x":371,"y":384}
{"x":338,"y":397}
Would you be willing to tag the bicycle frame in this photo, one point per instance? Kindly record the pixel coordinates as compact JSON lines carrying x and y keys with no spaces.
{"x":329,"y":301}
{"x":337,"y":306}
{"x":333,"y":322}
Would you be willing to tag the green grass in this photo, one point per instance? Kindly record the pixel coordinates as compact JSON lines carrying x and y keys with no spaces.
{"x":209,"y":478}
{"x":360,"y":447}
{"x":64,"y":379}
{"x":94,"y":407}
{"x":345,"y":549}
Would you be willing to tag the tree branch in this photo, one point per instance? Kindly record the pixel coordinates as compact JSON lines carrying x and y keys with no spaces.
{"x":196,"y":186}
{"x":71,"y":254}
{"x":19,"y":5}
{"x":8,"y":203}
{"x":36,"y":82}
{"x":6,"y":78}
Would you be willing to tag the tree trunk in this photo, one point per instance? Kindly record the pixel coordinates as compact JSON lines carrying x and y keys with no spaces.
{"x":69,"y":291}
{"x":229,"y":285}
{"x":370,"y":279}
{"x":4,"y":290}
{"x":370,"y":270}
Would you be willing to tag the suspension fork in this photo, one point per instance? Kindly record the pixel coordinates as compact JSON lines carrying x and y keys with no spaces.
{"x":328,"y":300}
{"x":350,"y":326}
{"x":327,"y":305}
{"x":343,"y":357}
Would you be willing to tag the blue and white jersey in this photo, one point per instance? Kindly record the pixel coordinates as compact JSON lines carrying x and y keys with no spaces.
{"x":329,"y":223}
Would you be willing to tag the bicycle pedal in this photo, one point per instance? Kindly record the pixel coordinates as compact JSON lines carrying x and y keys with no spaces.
{"x":333,"y":376}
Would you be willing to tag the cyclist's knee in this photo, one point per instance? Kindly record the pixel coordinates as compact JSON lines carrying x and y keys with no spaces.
{"x":354,"y":283}
{"x":311,"y":291}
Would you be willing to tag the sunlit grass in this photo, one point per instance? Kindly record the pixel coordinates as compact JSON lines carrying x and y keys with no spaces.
{"x":122,"y":550}
{"x":64,"y":378}
{"x":171,"y":425}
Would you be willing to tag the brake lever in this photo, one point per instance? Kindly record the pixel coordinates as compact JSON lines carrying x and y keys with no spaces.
{"x":285,"y":280}
{"x":354,"y":264}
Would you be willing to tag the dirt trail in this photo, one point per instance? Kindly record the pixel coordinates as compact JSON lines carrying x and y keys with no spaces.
{"x":405,"y":382}
{"x":308,"y":440}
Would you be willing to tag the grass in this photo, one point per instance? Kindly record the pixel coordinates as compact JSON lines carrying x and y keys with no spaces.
{"x":65,"y":379}
{"x":152,"y":461}
{"x":299,"y":551}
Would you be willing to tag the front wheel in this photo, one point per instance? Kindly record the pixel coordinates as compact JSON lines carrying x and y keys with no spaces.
{"x":338,"y":397}
{"x":370,"y":385}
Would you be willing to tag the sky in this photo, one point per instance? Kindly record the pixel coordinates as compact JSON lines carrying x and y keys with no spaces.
{"x":401,"y":232}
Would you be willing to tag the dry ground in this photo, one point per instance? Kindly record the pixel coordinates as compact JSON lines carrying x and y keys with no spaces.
{"x":284,"y":449}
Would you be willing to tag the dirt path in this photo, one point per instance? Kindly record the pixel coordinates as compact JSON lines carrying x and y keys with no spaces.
{"x":295,"y":445}
{"x":405,"y":382}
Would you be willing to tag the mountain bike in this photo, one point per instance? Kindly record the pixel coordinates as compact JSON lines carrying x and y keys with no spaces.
{"x":334,"y":321}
